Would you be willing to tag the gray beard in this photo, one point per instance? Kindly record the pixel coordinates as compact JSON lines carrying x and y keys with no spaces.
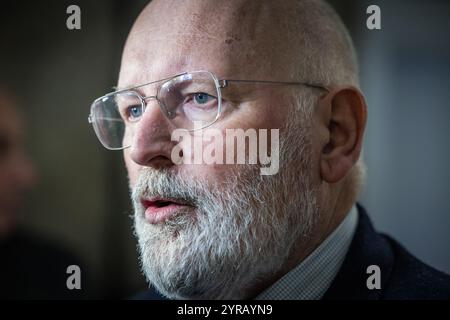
{"x":242,"y":232}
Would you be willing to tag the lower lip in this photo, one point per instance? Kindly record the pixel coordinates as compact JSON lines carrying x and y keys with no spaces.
{"x":155,"y":215}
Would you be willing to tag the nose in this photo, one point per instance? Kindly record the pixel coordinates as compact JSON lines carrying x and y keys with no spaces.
{"x":152,"y":145}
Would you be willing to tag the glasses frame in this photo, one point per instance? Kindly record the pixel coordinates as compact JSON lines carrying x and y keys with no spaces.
{"x":219,"y":83}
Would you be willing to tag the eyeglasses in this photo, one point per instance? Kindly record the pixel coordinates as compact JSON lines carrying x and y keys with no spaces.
{"x":190,"y":101}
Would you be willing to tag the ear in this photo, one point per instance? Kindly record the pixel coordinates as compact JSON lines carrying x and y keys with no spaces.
{"x":345,"y":121}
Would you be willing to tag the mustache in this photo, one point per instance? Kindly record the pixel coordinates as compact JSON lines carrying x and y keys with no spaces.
{"x":166,"y":184}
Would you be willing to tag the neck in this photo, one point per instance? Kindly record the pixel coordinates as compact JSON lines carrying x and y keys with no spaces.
{"x":329,"y":218}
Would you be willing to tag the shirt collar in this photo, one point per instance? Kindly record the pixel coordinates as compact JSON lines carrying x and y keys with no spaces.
{"x":313,"y":276}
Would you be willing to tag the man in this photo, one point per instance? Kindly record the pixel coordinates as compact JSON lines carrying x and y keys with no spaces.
{"x":226,"y":231}
{"x":16,"y":170}
{"x":30,"y":267}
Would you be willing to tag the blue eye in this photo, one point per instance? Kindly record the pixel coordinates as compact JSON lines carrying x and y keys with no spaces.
{"x":135,"y":112}
{"x":202,"y":98}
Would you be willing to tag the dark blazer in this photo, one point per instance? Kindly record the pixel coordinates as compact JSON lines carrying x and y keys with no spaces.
{"x":402,"y":275}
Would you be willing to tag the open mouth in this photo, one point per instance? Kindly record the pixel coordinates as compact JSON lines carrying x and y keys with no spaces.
{"x":158,"y":210}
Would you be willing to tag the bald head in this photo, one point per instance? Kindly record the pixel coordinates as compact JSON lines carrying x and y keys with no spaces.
{"x":276,"y":40}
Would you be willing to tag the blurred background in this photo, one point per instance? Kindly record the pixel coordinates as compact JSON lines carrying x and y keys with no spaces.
{"x":80,"y":199}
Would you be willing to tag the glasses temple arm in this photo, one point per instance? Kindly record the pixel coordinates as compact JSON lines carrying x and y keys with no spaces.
{"x":224,"y":83}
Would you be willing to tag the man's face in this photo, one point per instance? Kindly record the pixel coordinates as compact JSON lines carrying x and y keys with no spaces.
{"x":209,"y":231}
{"x":16,"y":174}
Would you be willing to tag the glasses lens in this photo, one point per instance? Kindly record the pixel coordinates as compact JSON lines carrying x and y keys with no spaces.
{"x":191,"y":100}
{"x":114,"y":117}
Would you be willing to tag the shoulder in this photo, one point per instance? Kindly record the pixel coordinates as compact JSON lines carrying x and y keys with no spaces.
{"x":413,"y":279}
{"x":402,"y":276}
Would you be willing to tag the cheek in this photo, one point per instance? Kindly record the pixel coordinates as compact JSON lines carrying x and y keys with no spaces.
{"x":198,"y":160}
{"x":132,"y":168}
{"x":249,"y":116}
{"x":268,"y":112}
{"x":205,"y":157}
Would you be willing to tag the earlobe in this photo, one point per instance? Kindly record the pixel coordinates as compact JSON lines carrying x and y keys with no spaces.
{"x":345,"y":125}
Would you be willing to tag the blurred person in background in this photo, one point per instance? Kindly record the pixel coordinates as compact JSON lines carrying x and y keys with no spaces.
{"x":17,"y":173}
{"x":30,"y":267}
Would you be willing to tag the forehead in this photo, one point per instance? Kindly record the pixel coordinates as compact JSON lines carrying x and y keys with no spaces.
{"x":231,"y":43}
{"x":164,"y":58}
